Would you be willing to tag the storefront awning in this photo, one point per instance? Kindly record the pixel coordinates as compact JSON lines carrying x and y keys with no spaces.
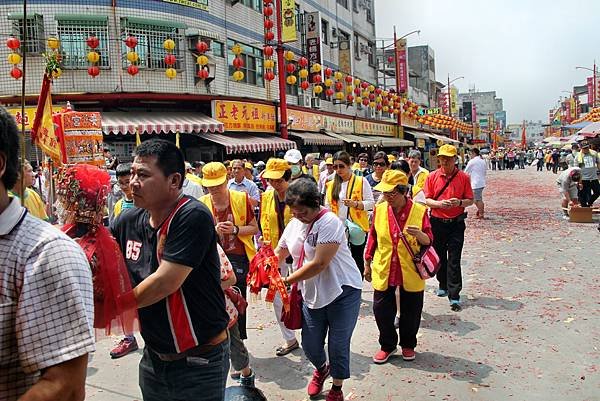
{"x":431,"y":137}
{"x":350,"y":138}
{"x":244,"y":143}
{"x":312,"y":138}
{"x":158,"y":122}
{"x":391,"y":142}
{"x":446,"y":139}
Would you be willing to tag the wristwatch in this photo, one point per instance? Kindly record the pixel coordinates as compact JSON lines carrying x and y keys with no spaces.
{"x":460,"y":203}
{"x":236,"y":230}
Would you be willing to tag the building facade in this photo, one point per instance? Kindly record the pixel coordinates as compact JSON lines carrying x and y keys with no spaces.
{"x":489,"y":109}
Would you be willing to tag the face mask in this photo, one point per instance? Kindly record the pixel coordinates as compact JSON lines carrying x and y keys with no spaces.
{"x":296,"y":170}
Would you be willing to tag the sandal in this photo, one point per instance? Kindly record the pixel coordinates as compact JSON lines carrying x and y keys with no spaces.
{"x":284,"y":350}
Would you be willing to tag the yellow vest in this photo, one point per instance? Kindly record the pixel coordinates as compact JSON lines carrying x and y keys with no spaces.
{"x":33,"y":203}
{"x":380,"y":266}
{"x":237,"y":200}
{"x":419,"y":182}
{"x":360,"y":217}
{"x":194,"y":178}
{"x":268,"y":218}
{"x":315,"y":171}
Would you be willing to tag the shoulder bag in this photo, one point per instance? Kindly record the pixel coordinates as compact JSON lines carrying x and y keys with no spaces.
{"x":427,"y":261}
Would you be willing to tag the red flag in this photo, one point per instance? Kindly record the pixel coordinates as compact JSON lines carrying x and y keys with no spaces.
{"x":523,"y":137}
{"x":42,"y":132}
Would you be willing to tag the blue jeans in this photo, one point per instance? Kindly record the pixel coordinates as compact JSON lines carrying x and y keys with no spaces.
{"x":198,"y":378}
{"x":338,"y":318}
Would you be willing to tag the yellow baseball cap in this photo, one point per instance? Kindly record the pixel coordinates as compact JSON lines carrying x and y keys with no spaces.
{"x":356,"y":166}
{"x":275,"y":168}
{"x":391,"y":158}
{"x":329,"y":160}
{"x":214,"y":174}
{"x":447,"y":150}
{"x":248,"y":165}
{"x":390,"y":180}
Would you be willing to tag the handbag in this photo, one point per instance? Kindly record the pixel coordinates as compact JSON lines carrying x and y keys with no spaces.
{"x":234,"y":294}
{"x":356,"y":235}
{"x":427,"y":261}
{"x":292,"y":319}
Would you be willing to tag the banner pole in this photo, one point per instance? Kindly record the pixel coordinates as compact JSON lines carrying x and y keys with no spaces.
{"x":23,"y":115}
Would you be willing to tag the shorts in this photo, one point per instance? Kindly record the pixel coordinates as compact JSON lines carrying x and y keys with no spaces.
{"x":573,"y":192}
{"x":478,"y":194}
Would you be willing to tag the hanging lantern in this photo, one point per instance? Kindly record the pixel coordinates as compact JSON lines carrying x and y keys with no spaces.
{"x":348,"y":79}
{"x":202,"y":60}
{"x":329,"y":92}
{"x":268,"y":10}
{"x":14,"y":58}
{"x":202,"y":73}
{"x":364,"y":85}
{"x":238,"y":63}
{"x":269,"y":64}
{"x":338,"y":76}
{"x":371,"y":88}
{"x":92,"y":42}
{"x":16,"y":73}
{"x":291,"y":80}
{"x":378,"y":91}
{"x":170,"y":59}
{"x":356,"y":82}
{"x":303,"y":73}
{"x":378,"y":99}
{"x":396,"y":112}
{"x":269,"y":75}
{"x":236,"y":49}
{"x":386,"y":109}
{"x":357,"y":91}
{"x":289,"y":55}
{"x":365,"y":102}
{"x":169,"y":45}
{"x":317,"y":79}
{"x":390,"y":59}
{"x":339,"y":95}
{"x":132,"y":57}
{"x":318,"y":89}
{"x":338,"y":86}
{"x":268,"y":24}
{"x":133,"y":70}
{"x":378,"y":107}
{"x":303,"y":62}
{"x":349,"y":98}
{"x":201,"y":46}
{"x":348,"y":90}
{"x":372,"y":97}
{"x":238,"y":76}
{"x":328,"y":82}
{"x":93,"y":71}
{"x":328,"y":71}
{"x":290,"y":68}
{"x":13,"y":43}
{"x":304,"y":85}
{"x":93,"y":57}
{"x":372,"y":105}
{"x":53,"y":43}
{"x":269,"y":36}
{"x":268,"y":51}
{"x":171,"y":73}
{"x":316,"y":68}
{"x":131,"y":42}
{"x":358,"y":100}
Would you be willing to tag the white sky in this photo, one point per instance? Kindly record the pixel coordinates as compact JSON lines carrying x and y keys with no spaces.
{"x":525,"y":50}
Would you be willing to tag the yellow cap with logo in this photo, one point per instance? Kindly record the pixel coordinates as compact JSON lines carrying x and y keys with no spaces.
{"x":390,"y":180}
{"x":447,"y":150}
{"x":275,"y":169}
{"x":214,"y":174}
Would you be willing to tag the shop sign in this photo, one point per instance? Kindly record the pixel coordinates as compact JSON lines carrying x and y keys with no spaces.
{"x":288,"y":16}
{"x":401,"y":59}
{"x":28,"y":117}
{"x":245,"y":116}
{"x":430,"y":111}
{"x":199,"y":4}
{"x":373,"y":128}
{"x":304,"y":121}
{"x":313,"y":40}
{"x":338,"y":125}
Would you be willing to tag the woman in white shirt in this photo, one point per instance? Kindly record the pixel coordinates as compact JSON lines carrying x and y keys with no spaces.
{"x":330,"y":283}
{"x":350,"y":198}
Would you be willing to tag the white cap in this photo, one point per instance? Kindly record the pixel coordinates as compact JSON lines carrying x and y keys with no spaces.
{"x":260,"y":163}
{"x":293,"y":156}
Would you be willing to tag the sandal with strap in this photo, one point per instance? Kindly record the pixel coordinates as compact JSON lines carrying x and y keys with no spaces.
{"x":284,"y":350}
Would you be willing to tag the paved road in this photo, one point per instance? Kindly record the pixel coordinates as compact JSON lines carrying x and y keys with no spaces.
{"x":528,"y":331}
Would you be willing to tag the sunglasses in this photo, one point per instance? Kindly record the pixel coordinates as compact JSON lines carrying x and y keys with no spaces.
{"x":363,"y":160}
{"x":379,"y":164}
{"x":339,"y":166}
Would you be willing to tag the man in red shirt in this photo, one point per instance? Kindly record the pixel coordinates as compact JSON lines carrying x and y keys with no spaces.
{"x":447,"y":192}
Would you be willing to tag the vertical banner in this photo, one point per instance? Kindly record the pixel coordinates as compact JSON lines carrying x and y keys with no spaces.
{"x":567,"y":108}
{"x":345,"y":57}
{"x":474,"y":112}
{"x":453,"y":100}
{"x":590,"y":91}
{"x":288,"y":18}
{"x":573,"y":107}
{"x":402,"y":65}
{"x":42,"y":131}
{"x":313,"y":41}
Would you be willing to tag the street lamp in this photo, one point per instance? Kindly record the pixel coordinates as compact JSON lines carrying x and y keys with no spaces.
{"x":594,"y":82}
{"x":397,"y":57}
{"x":449,"y":97}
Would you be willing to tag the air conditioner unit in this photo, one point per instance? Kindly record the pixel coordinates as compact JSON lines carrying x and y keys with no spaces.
{"x":315,"y":103}
{"x":304,"y":101}
{"x":211,"y":67}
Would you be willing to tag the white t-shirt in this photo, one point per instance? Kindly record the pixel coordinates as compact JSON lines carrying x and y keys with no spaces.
{"x":367,"y":197}
{"x":476,"y":169}
{"x":325,"y":287}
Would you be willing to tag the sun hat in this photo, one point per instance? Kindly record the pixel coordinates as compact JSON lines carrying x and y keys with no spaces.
{"x":214,"y":174}
{"x":447,"y":150}
{"x":275,"y":169}
{"x":293,"y":156}
{"x":390,"y":180}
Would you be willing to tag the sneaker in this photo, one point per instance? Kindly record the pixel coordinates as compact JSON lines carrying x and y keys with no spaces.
{"x":382,"y":356}
{"x":247,"y":381}
{"x":335,"y":395}
{"x":397,"y":322}
{"x":441,"y":293}
{"x":235,"y":374}
{"x":316,"y":384}
{"x":408,"y":354}
{"x":125,"y":346}
{"x":455,"y":305}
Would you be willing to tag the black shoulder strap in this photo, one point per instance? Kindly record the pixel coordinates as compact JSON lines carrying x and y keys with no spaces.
{"x":441,"y":191}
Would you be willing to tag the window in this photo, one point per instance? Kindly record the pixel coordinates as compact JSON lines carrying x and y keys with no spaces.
{"x":343,"y":36}
{"x":324,"y":32}
{"x":253,"y":63}
{"x":356,"y":47}
{"x":371,"y":49}
{"x":217,"y":48}
{"x":343,"y":3}
{"x":151,"y":35}
{"x":73,"y":31}
{"x":370,"y":15}
{"x":256,"y":5}
{"x":35,"y":32}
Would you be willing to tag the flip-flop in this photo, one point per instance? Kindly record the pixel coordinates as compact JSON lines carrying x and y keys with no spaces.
{"x":281,"y":351}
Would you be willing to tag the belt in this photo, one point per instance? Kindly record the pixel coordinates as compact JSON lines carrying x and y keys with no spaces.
{"x":195,"y":351}
{"x":460,"y":217}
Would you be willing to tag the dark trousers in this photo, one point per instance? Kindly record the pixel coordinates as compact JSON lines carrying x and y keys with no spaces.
{"x":540,"y":165}
{"x":590,"y":191}
{"x":555,"y":167}
{"x":448,"y":240}
{"x":384,"y":309}
{"x":240,"y":267}
{"x":358,"y":256}
{"x":200,"y":378}
{"x":493,"y":165}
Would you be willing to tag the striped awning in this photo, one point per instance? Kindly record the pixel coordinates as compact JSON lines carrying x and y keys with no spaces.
{"x":391,"y":142}
{"x":350,"y":138}
{"x":312,"y":138}
{"x":158,"y":122}
{"x":244,"y":143}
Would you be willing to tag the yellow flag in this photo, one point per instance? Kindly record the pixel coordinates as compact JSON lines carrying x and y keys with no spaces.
{"x":44,"y":134}
{"x":288,"y":18}
{"x":138,"y":141}
{"x":177,"y":140}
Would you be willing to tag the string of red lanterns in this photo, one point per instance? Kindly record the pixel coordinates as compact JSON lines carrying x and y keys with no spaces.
{"x":14,"y":58}
{"x":132,"y":56}
{"x":202,"y":59}
{"x":238,"y":62}
{"x":93,"y":57}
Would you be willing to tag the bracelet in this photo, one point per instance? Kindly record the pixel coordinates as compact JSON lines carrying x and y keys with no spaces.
{"x":236,"y":230}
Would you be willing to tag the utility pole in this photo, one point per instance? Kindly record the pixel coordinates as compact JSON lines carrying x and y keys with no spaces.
{"x":281,"y":75}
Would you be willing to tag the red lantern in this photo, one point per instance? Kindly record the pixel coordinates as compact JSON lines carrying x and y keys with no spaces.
{"x":93,"y":42}
{"x":405,"y":107}
{"x":364,"y":85}
{"x":268,"y":11}
{"x":390,"y":59}
{"x":133,"y":70}
{"x":328,"y":71}
{"x":357,"y":91}
{"x":238,"y":63}
{"x":201,"y":46}
{"x":304,"y":85}
{"x":378,"y":91}
{"x":378,"y":107}
{"x":203,"y":73}
{"x":16,"y":73}
{"x":170,"y":59}
{"x":349,"y":98}
{"x":268,"y":24}
{"x":348,"y":79}
{"x":268,"y":51}
{"x":372,"y":97}
{"x":269,"y":36}
{"x":290,"y":68}
{"x":329,"y":92}
{"x":317,"y":79}
{"x":13,"y":44}
{"x":269,"y":75}
{"x":338,"y":86}
{"x":94,"y":71}
{"x":131,"y":42}
{"x":365,"y":102}
{"x":303,"y":62}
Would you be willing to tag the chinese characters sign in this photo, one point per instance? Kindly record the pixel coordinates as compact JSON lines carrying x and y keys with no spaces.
{"x":29,"y":116}
{"x":372,"y":128}
{"x":82,"y":133}
{"x":304,"y":121}
{"x":313,"y":40}
{"x":288,"y":16}
{"x":199,"y":4}
{"x":338,"y":125}
{"x":245,"y":116}
{"x":402,"y":67}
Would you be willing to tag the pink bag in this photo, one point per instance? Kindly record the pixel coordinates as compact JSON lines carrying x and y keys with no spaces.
{"x":426,"y":261}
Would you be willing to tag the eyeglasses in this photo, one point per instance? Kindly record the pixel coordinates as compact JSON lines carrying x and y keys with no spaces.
{"x":339,"y":166}
{"x":379,"y":164}
{"x":390,"y":194}
{"x":363,"y":160}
